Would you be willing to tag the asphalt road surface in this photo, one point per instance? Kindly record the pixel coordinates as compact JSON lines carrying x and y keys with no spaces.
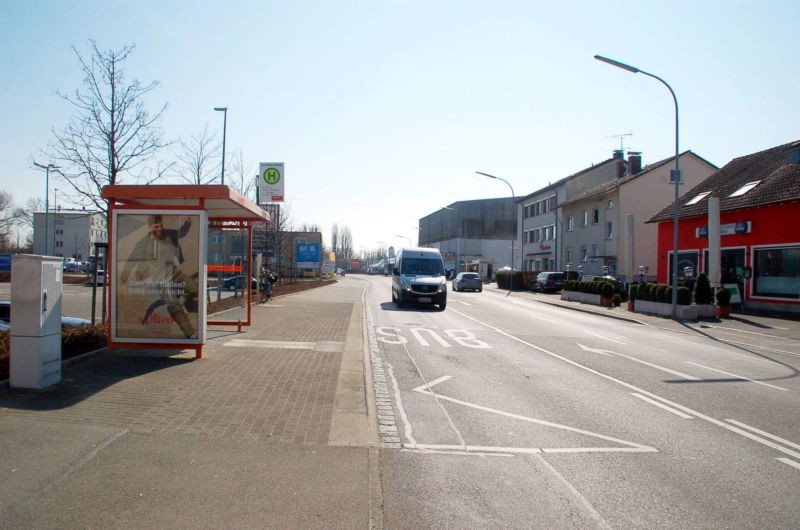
{"x":511,"y":413}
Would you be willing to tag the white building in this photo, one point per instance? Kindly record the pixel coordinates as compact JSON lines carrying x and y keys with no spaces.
{"x":70,"y":233}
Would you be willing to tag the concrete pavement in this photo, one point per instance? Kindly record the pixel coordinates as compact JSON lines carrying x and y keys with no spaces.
{"x":272,"y":428}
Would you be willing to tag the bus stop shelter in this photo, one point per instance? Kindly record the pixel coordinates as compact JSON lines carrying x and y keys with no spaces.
{"x":157,"y":261}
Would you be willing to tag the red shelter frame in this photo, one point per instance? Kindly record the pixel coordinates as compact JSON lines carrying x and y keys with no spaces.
{"x":225,"y":207}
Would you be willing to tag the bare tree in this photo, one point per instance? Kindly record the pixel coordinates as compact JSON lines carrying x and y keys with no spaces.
{"x":10,"y":219}
{"x":345,"y":246}
{"x":242,"y":176}
{"x":111,"y":134}
{"x":335,"y":239}
{"x":196,"y":158}
{"x":309,"y":227}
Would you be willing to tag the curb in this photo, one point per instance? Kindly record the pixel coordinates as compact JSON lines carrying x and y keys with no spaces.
{"x":591,"y":312}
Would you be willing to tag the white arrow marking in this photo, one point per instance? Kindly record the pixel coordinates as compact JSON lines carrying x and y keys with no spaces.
{"x":595,"y":350}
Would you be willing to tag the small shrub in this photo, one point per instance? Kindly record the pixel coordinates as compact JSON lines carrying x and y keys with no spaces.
{"x":684,"y":296}
{"x":702,"y":290}
{"x":661,"y":290}
{"x":617,"y":299}
{"x":606,"y":290}
{"x":667,"y":295}
{"x":633,"y":291}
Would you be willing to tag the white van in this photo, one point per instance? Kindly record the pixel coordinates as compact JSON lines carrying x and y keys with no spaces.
{"x":418,"y":276}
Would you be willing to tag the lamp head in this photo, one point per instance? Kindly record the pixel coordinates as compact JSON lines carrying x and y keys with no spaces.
{"x":618,"y":64}
{"x":221,"y":109}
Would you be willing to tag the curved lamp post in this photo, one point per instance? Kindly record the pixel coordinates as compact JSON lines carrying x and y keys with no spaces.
{"x":675,"y":177}
{"x":514,"y":233}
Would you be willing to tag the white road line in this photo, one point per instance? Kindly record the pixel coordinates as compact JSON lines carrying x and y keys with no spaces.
{"x":602,"y":337}
{"x":529,"y":450}
{"x":789,"y":462}
{"x":750,"y":332}
{"x":399,"y":404}
{"x":738,"y":376}
{"x":687,"y":410}
{"x":634,"y":445}
{"x":661,"y":405}
{"x":765,"y":434}
{"x":428,"y":386}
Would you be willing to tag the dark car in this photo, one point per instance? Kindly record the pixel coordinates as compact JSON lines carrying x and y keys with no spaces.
{"x":237,"y":282}
{"x":548,"y":282}
{"x":467,"y":280}
{"x":66,"y":322}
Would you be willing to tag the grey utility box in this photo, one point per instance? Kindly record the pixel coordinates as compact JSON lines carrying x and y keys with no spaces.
{"x":35,"y":321}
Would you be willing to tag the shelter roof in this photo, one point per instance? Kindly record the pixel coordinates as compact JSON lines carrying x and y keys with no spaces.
{"x":221,"y":202}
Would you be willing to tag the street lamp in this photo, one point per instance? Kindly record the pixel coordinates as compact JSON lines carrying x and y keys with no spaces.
{"x":676,"y":177}
{"x":47,"y":169}
{"x":514,"y":233}
{"x":224,"y":110}
{"x":406,"y":238}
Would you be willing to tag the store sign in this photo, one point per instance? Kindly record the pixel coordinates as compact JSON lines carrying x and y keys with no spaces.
{"x":270,"y":182}
{"x":158,"y":276}
{"x":737,"y":228}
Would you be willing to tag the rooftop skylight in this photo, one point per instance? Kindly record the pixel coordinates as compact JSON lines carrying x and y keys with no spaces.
{"x":699,"y":197}
{"x":744,"y":189}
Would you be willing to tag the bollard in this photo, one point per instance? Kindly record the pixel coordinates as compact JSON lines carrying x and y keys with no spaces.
{"x":239,"y":326}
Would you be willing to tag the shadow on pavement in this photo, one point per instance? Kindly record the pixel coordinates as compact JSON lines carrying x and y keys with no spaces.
{"x":85,"y":378}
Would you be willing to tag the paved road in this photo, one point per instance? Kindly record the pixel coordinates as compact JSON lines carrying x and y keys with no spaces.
{"x":513,"y":413}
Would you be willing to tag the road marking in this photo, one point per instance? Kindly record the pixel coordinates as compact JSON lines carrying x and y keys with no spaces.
{"x":789,"y":462}
{"x":417,"y":332}
{"x":460,"y":451}
{"x":399,"y":404}
{"x":765,"y":434}
{"x":595,"y":350}
{"x":428,"y":386}
{"x":602,"y":337}
{"x":687,"y":410}
{"x":496,"y":451}
{"x":737,"y":376}
{"x":751,"y":332}
{"x":661,"y":405}
{"x":651,"y":365}
{"x":461,"y":302}
{"x":630,"y":445}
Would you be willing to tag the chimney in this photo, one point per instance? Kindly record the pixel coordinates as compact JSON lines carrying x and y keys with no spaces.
{"x":634,"y":162}
{"x":620,"y":168}
{"x":618,"y":154}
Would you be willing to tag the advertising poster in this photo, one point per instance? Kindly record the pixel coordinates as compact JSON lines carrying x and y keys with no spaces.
{"x":158,"y":276}
{"x":307,"y":256}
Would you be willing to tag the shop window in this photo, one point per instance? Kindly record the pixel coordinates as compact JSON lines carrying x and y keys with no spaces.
{"x":777,"y":272}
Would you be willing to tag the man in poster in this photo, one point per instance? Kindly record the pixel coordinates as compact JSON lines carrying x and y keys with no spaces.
{"x":153,"y":272}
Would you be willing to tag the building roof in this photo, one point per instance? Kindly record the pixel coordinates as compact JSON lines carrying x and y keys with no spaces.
{"x":779,"y":181}
{"x":611,"y":185}
{"x":566,"y":179}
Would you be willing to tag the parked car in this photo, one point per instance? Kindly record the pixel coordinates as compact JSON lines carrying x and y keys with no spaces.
{"x":467,"y":280}
{"x":66,"y":322}
{"x":237,"y":282}
{"x":548,"y":282}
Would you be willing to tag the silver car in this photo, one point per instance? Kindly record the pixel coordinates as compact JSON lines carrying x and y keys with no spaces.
{"x":467,"y":280}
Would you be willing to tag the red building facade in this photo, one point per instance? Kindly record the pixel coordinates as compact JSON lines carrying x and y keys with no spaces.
{"x":759,"y":200}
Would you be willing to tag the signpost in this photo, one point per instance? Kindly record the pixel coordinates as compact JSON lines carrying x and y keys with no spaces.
{"x":270,"y":182}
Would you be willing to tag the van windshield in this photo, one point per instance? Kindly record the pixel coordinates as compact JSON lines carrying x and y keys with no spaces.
{"x":428,"y":267}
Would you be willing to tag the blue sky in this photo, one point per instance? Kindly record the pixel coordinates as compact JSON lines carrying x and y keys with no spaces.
{"x":382,"y":110}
